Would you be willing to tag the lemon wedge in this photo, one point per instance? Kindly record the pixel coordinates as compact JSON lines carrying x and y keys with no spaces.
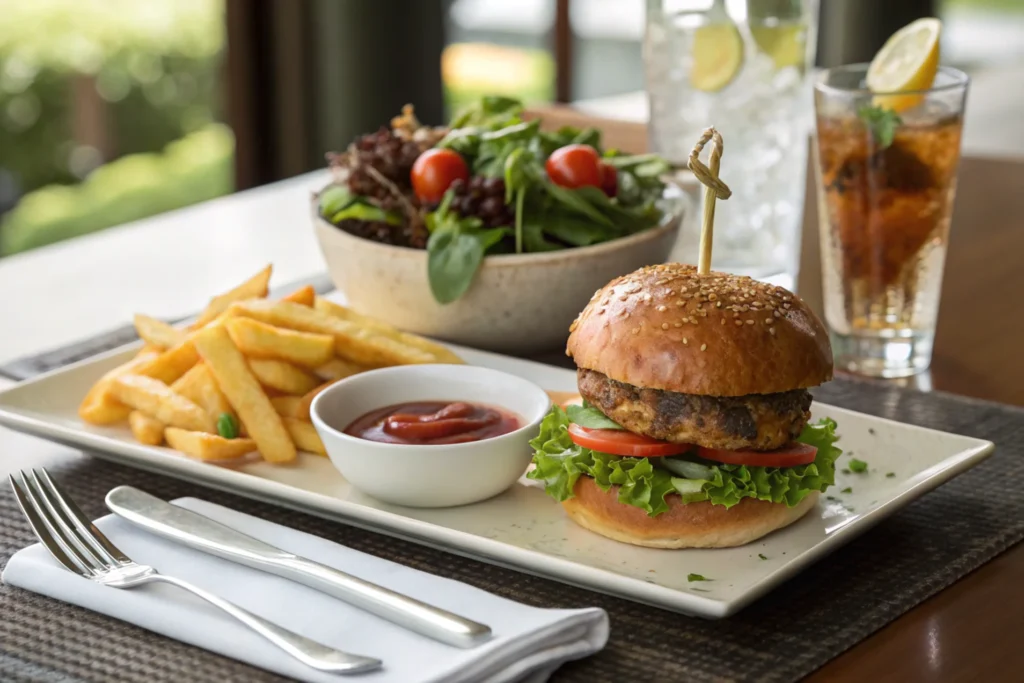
{"x":786,"y":44}
{"x":717,"y":56}
{"x":909,"y":60}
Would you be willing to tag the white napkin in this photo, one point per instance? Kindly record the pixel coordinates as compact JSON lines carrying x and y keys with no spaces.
{"x":528,"y":643}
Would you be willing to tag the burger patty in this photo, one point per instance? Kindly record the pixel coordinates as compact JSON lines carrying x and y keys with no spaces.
{"x":755,"y":421}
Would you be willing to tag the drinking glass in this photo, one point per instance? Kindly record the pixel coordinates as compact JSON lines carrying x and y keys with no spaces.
{"x":886,"y":167}
{"x":758,"y":53}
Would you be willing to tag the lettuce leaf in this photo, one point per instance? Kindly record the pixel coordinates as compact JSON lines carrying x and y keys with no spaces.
{"x":559,"y":463}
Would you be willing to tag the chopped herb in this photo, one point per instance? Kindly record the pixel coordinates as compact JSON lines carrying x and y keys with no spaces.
{"x":700,"y":590}
{"x":871,"y":431}
{"x":858,"y":466}
{"x":845,"y":471}
{"x":227,"y":427}
{"x":846,"y":490}
{"x":696,"y":577}
{"x":890,"y":474}
{"x":881,"y":122}
{"x":761,"y":555}
{"x":831,"y":498}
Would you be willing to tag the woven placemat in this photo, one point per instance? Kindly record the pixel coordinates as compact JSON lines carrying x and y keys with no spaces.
{"x":788,"y":634}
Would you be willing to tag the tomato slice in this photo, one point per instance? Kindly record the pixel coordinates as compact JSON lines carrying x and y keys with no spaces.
{"x":795,"y":453}
{"x":621,"y":442}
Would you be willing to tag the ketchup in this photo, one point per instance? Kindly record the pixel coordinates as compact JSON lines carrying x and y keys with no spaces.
{"x":433,"y":422}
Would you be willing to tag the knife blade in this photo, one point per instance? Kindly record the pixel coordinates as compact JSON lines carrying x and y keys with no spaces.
{"x":202,"y":533}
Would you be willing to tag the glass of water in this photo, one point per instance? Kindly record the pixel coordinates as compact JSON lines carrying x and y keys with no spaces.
{"x":741,"y":66}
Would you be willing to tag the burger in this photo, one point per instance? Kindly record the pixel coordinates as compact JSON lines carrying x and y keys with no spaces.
{"x":694,"y":430}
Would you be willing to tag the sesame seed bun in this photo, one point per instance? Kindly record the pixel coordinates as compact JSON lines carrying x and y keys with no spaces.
{"x":667,"y":327}
{"x":689,"y":525}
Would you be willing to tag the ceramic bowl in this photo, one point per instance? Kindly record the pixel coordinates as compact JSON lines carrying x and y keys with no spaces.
{"x":429,"y":475}
{"x":518,"y":303}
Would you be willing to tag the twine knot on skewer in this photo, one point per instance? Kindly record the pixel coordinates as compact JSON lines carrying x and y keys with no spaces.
{"x":714,"y":189}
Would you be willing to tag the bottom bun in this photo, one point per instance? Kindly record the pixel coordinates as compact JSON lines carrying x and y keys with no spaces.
{"x":683,"y":525}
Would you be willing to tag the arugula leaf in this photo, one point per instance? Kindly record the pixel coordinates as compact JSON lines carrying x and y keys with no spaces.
{"x":696,"y":577}
{"x":858,"y":466}
{"x":881,"y":123}
{"x":366,"y":212}
{"x":590,"y":417}
{"x":488,"y":110}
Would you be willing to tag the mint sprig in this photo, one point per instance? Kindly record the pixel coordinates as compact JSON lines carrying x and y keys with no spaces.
{"x":881,"y":123}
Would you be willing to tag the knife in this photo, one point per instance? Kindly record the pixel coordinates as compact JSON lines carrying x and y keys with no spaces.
{"x":202,"y":533}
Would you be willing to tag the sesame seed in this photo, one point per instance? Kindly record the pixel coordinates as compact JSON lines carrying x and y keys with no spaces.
{"x":712,"y":296}
{"x":636,"y":330}
{"x":776,"y":314}
{"x":768,"y":321}
{"x":685,"y":341}
{"x":677,"y":324}
{"x":671,"y":292}
{"x":600,"y":311}
{"x":662,"y":309}
{"x":750,"y":322}
{"x":680,"y":303}
{"x":623,"y":297}
{"x":664,"y":326}
{"x":703,"y":347}
{"x":625,"y":314}
{"x":738,"y":322}
{"x":736,"y":314}
{"x":722,"y":320}
{"x":718,"y":304}
{"x":787,"y":306}
{"x":771,"y":330}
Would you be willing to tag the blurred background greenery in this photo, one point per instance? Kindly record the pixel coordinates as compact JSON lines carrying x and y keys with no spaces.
{"x":86,"y":82}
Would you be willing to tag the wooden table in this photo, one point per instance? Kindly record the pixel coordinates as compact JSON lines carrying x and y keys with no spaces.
{"x":167,"y":264}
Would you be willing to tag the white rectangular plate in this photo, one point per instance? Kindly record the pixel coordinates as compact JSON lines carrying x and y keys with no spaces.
{"x":523,"y":528}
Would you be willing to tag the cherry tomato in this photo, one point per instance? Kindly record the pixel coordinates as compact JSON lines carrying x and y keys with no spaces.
{"x":609,"y":179}
{"x":574,"y":166}
{"x":795,"y":453}
{"x":434,"y":171}
{"x":621,"y":442}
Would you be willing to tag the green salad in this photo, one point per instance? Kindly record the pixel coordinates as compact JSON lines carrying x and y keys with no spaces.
{"x":491,"y":182}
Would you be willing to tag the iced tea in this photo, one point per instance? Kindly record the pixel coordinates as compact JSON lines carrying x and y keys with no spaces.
{"x":886,"y":183}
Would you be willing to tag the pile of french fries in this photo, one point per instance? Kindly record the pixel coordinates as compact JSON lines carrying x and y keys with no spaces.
{"x":241,"y":378}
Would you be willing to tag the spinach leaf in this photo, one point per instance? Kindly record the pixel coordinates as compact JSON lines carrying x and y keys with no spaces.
{"x":453,"y":257}
{"x":578,"y":232}
{"x":577,"y":201}
{"x":533,"y":237}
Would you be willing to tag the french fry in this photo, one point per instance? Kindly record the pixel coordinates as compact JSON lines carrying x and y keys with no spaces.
{"x":304,"y":296}
{"x":336,"y":368}
{"x":157,"y":333}
{"x":304,"y":435}
{"x":255,"y":287}
{"x":259,"y":340}
{"x":282,"y":376}
{"x":172,"y":363}
{"x":156,"y":399}
{"x":147,"y":430}
{"x":302,"y":412}
{"x":244,"y":394}
{"x":199,"y":386}
{"x":99,"y":407}
{"x":441,"y":353}
{"x":207,"y":446}
{"x":352,"y":342}
{"x":287,"y":406}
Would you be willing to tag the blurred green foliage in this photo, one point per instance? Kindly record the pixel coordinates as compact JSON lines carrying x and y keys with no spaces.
{"x":155,"y":66}
{"x":190,"y":170}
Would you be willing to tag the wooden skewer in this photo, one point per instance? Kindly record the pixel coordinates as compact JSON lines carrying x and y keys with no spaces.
{"x":714,"y":189}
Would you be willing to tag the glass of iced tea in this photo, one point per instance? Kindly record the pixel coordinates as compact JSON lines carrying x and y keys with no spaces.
{"x":886,"y":167}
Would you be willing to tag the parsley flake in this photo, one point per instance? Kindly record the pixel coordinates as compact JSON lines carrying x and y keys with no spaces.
{"x":848,"y":489}
{"x":858,"y":466}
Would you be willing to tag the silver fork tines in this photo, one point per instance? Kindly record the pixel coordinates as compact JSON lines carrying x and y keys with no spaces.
{"x":76,"y":543}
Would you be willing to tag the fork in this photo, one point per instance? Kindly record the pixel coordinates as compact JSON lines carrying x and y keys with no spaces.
{"x":73,"y":540}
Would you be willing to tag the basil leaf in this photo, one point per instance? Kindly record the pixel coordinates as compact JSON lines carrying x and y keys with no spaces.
{"x":590,"y":417}
{"x":453,"y":257}
{"x":334,"y":199}
{"x":366,"y":212}
{"x":226,"y":426}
